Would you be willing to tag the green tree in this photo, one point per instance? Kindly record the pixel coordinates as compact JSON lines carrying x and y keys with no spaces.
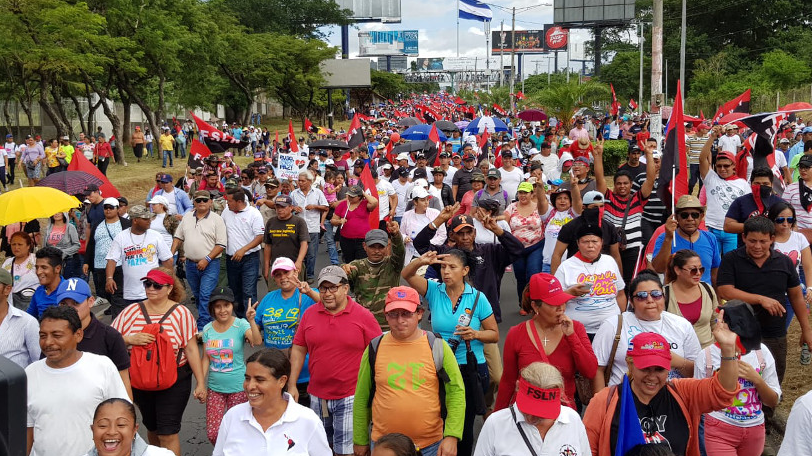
{"x":783,"y":71}
{"x":388,"y":85}
{"x":624,"y":74}
{"x":302,"y":18}
{"x":564,"y":99}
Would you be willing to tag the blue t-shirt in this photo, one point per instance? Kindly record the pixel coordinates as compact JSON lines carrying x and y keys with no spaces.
{"x":41,"y":300}
{"x":225,"y":352}
{"x":444,"y":322}
{"x":707,"y":247}
{"x":279,"y":319}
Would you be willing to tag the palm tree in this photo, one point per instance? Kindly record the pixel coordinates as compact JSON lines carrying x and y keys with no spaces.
{"x":563,"y":99}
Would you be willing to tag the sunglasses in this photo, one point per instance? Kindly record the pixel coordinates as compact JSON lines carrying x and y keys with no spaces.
{"x":154,"y":285}
{"x":201,"y":200}
{"x":687,"y":215}
{"x":109,"y":207}
{"x":780,"y":220}
{"x":724,"y":166}
{"x":695,"y":271}
{"x":643,"y":295}
{"x":395,"y":314}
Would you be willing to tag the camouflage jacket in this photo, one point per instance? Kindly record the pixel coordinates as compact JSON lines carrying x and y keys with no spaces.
{"x":370,"y":282}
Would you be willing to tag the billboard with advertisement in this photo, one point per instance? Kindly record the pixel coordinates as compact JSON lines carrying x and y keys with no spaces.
{"x":556,"y":38}
{"x":372,"y":10}
{"x":593,"y":12}
{"x":469,"y":63}
{"x":400,"y":42}
{"x":430,"y":64}
{"x":527,"y":41}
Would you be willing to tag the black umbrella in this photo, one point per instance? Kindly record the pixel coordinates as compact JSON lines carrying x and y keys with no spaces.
{"x":409,"y":122}
{"x":70,"y":182}
{"x":445,"y":125}
{"x":412,"y":146}
{"x":329,"y":144}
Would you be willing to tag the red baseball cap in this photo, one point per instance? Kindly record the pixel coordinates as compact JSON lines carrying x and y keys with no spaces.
{"x":159,"y":277}
{"x":540,"y":402}
{"x":545,"y":287}
{"x":402,"y":298}
{"x":727,"y":155}
{"x":650,"y":349}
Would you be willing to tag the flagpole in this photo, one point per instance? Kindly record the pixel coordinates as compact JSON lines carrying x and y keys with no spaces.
{"x":673,"y":195}
{"x":458,"y":28}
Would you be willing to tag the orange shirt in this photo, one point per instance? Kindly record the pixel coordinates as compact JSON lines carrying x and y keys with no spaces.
{"x":407,"y":391}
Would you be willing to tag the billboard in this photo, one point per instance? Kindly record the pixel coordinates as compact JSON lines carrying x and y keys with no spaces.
{"x":372,"y":10}
{"x":556,"y":38}
{"x":469,"y":63}
{"x":346,"y":73}
{"x":593,"y":12}
{"x":527,"y":41}
{"x":402,"y":42}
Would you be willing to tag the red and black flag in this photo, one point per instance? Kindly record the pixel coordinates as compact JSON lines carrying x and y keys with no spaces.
{"x":738,"y":104}
{"x":355,"y":135}
{"x":197,"y":152}
{"x":765,"y":126}
{"x":673,"y":179}
{"x":632,"y":105}
{"x":499,"y":110}
{"x":309,"y":126}
{"x":216,"y":140}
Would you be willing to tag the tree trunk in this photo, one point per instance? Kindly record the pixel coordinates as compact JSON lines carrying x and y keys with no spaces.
{"x":60,"y":108}
{"x":160,"y":111}
{"x":7,"y":116}
{"x":125,"y":87}
{"x":126,"y":130}
{"x":86,"y":128}
{"x":27,"y":109}
{"x":62,"y":128}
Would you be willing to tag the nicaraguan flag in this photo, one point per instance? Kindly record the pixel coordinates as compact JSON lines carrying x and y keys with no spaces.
{"x":475,"y":10}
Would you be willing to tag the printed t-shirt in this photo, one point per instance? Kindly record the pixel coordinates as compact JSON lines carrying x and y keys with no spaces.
{"x":137,"y":255}
{"x":721,"y":194}
{"x":661,"y":421}
{"x":746,"y":410}
{"x":526,"y":228}
{"x":226,"y":356}
{"x":615,"y":209}
{"x":552,"y":228}
{"x":601,"y":302}
{"x":792,"y":248}
{"x":285,"y":236}
{"x":279,"y":319}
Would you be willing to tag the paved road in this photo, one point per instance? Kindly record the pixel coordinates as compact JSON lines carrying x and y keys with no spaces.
{"x":193,"y":432}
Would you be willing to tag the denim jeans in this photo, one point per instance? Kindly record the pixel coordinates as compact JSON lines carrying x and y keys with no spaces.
{"x":727,"y":241}
{"x":202,"y":284}
{"x":242,"y":279}
{"x":330,"y":240}
{"x":167,"y":153}
{"x":312,"y":251}
{"x":694,"y":179}
{"x":526,"y":265}
{"x":182,"y":150}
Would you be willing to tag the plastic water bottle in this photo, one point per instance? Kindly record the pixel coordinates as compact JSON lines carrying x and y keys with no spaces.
{"x":806,"y":357}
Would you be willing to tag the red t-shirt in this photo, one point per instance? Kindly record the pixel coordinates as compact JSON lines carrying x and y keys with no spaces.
{"x":335,"y":344}
{"x":357,"y":223}
{"x":573,"y":353}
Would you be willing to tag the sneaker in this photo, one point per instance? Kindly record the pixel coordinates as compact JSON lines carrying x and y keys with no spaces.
{"x":806,"y":357}
{"x":509,"y":269}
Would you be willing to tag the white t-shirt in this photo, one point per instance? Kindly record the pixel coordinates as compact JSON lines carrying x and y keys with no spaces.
{"x":796,"y":435}
{"x":172,"y":199}
{"x":403,"y":190}
{"x":721,"y":194}
{"x":242,"y":227}
{"x":449,"y":175}
{"x":8,"y":150}
{"x":486,"y":236}
{"x":551,"y":230}
{"x":157,"y":224}
{"x":601,"y":302}
{"x":298,"y":432}
{"x":549,"y":166}
{"x":61,"y":402}
{"x":500,"y":436}
{"x":746,"y":409}
{"x":137,"y":255}
{"x":730,"y":143}
{"x":511,"y":180}
{"x":793,"y":247}
{"x":385,"y":190}
{"x":677,"y":331}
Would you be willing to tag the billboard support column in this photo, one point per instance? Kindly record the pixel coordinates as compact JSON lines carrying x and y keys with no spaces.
{"x":512,"y":57}
{"x":598,"y":44}
{"x":345,"y":54}
{"x":330,"y":109}
{"x":487,"y":26}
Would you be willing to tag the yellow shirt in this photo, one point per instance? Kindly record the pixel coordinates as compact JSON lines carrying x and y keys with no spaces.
{"x":50,"y":156}
{"x":167,"y":142}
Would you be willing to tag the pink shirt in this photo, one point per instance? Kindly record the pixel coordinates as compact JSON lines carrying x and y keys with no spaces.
{"x":335,"y":344}
{"x":526,"y":229}
{"x":357,"y":223}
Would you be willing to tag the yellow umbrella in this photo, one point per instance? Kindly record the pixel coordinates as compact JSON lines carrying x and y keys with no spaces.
{"x":29,"y":203}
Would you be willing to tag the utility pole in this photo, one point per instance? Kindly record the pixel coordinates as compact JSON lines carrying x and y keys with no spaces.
{"x":656,"y":127}
{"x":502,"y":55}
{"x":512,"y":58}
{"x":640,"y":93}
{"x":458,"y":28}
{"x":682,"y":53}
{"x":487,"y":27}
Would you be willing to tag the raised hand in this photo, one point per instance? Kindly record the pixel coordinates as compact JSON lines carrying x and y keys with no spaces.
{"x":251,"y":312}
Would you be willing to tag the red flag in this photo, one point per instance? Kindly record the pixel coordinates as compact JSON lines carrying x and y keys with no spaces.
{"x":632,"y":104}
{"x":738,"y":104}
{"x":389,"y":156}
{"x":484,"y":138}
{"x":675,"y":154}
{"x":308,"y":125}
{"x":369,"y":184}
{"x":355,"y":135}
{"x":615,"y":105}
{"x":197,"y":152}
{"x":459,"y":101}
{"x":498,"y":109}
{"x":701,"y":116}
{"x":80,"y":163}
{"x":294,"y":146}
{"x":520,"y":95}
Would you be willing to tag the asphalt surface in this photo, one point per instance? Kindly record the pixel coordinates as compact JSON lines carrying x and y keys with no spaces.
{"x":193,"y":431}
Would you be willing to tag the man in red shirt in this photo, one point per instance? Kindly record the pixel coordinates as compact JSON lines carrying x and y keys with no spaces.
{"x":334,"y":332}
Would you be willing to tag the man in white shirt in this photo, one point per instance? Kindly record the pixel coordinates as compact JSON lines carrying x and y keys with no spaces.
{"x":403,"y":189}
{"x":19,"y":331}
{"x":796,"y":437}
{"x":731,"y":141}
{"x":511,"y":175}
{"x":65,"y":387}
{"x":310,"y":204}
{"x":387,"y":198}
{"x":244,"y":230}
{"x":445,"y":163}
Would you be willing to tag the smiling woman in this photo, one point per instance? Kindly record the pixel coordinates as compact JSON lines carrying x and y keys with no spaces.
{"x":115,"y":432}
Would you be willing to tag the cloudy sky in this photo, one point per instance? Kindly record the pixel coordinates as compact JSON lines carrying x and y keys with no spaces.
{"x":436,"y":22}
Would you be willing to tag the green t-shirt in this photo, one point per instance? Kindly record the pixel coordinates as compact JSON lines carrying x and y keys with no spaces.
{"x":225,"y":353}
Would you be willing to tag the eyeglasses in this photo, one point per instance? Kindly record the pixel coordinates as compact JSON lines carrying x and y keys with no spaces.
{"x":109,"y":207}
{"x":723,"y":166}
{"x":780,"y":220}
{"x":695,"y":271}
{"x":329,"y":288}
{"x":201,"y":200}
{"x":643,"y":295}
{"x":154,"y":285}
{"x":687,"y":215}
{"x":396,"y":314}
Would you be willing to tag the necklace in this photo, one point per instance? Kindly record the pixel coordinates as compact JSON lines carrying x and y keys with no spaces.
{"x":138,"y":245}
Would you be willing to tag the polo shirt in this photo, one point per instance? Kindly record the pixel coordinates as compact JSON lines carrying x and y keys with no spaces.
{"x":200,"y":235}
{"x":41,"y":300}
{"x":104,"y":340}
{"x":298,"y":431}
{"x":242,"y":227}
{"x":772,"y":279}
{"x":500,"y":435}
{"x":19,"y":337}
{"x":335,"y":344}
{"x":707,"y":247}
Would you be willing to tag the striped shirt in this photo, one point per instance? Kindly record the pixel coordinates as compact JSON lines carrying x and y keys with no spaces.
{"x":180,"y":326}
{"x":19,"y":337}
{"x":695,"y":145}
{"x":614,"y":210}
{"x":792,"y":195}
{"x":654,"y":210}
